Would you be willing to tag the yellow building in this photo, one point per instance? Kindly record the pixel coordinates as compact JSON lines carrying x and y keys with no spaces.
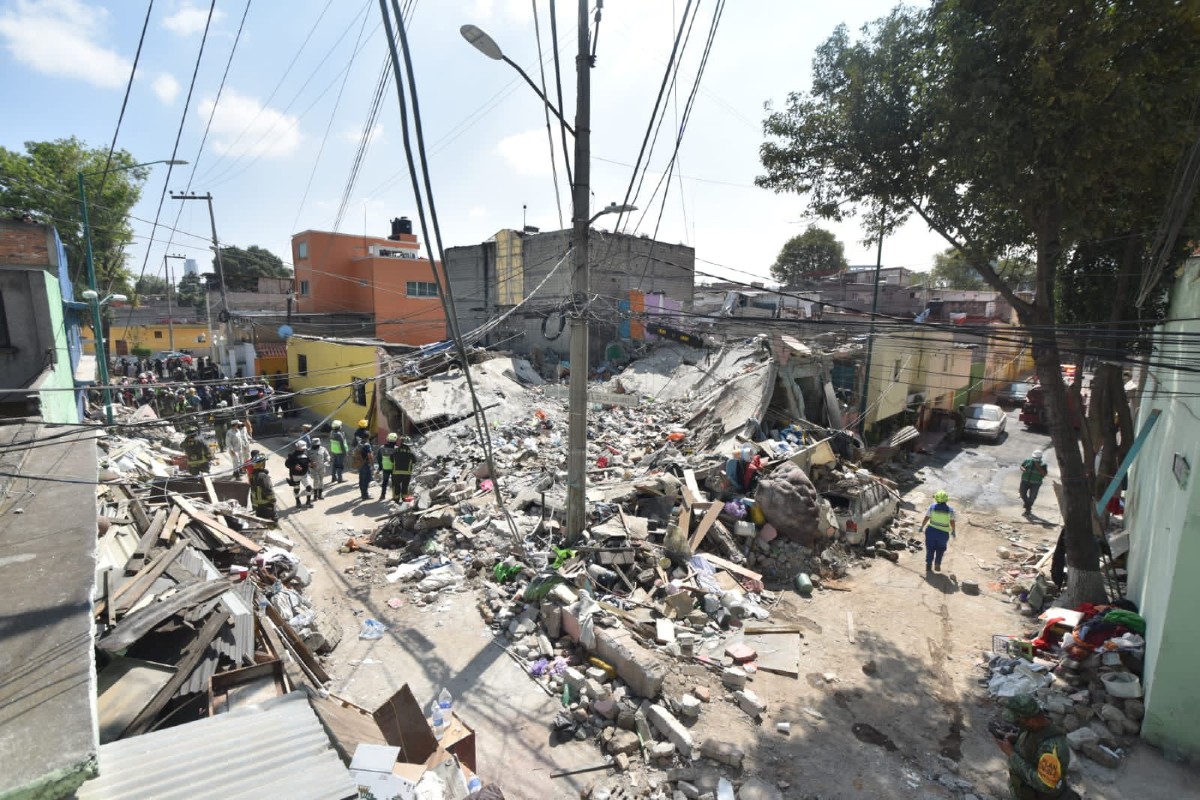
{"x":332,"y":367}
{"x":155,"y":337}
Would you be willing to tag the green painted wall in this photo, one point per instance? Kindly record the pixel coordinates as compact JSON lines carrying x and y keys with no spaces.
{"x":1163,"y":516}
{"x":58,"y":404}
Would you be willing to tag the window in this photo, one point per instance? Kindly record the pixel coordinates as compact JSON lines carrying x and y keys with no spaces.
{"x":421,"y":289}
{"x":304,"y":288}
{"x":5,"y":341}
{"x":302,"y":252}
{"x":360,"y":390}
{"x":158,"y":334}
{"x":302,"y":364}
{"x":896,"y":370}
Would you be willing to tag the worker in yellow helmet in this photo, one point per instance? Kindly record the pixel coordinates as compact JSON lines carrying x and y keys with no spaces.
{"x":939,"y":526}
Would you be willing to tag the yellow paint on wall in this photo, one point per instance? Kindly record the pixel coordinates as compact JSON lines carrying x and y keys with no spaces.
{"x":155,"y":338}
{"x":315,"y":363}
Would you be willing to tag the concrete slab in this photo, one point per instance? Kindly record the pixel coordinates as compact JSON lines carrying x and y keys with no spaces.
{"x":48,"y":738}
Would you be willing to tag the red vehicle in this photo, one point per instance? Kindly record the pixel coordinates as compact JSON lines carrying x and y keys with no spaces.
{"x":1035,"y":413}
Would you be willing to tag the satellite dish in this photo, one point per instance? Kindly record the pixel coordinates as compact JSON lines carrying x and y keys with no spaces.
{"x":285,"y":331}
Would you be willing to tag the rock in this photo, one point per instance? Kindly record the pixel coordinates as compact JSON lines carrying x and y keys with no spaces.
{"x":580,"y":714}
{"x":733,"y":678}
{"x":662,"y":750}
{"x":1072,"y":722}
{"x":788,"y":500}
{"x":689,"y":706}
{"x":1110,"y":713}
{"x":521,"y":626}
{"x":621,"y":762}
{"x":702,"y":693}
{"x":606,"y":709}
{"x":1056,"y":704}
{"x":749,"y":702}
{"x":829,"y":677}
{"x":728,"y":754}
{"x":596,"y":674}
{"x":625,"y":742}
{"x":690,"y":791}
{"x":740,"y":652}
{"x":783,"y":727}
{"x":1102,"y":755}
{"x":1135,"y":709}
{"x":1081,"y":737}
{"x":673,"y":729}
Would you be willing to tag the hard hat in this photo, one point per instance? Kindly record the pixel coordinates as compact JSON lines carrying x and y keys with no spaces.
{"x":1037,"y":455}
{"x":302,"y":445}
{"x":337,"y":423}
{"x":237,"y":423}
{"x":406,"y":440}
{"x":940,"y":496}
{"x":306,"y":427}
{"x":362,"y":423}
{"x":222,"y":404}
{"x":1022,"y":706}
{"x":316,"y":442}
{"x":192,"y":431}
{"x":392,"y":437}
{"x":259,"y":459}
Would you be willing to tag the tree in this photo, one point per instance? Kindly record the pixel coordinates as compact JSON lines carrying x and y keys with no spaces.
{"x":1008,"y":128}
{"x":243,"y":268}
{"x":815,"y":250}
{"x":43,"y":182}
{"x":149,"y":286}
{"x":191,"y":292}
{"x":951,"y":270}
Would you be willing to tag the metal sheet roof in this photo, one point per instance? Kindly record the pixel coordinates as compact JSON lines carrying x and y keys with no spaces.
{"x":236,"y":640}
{"x":278,"y":751}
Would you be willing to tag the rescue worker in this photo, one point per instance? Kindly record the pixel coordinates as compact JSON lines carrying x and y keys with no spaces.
{"x":306,"y":435}
{"x":1033,"y":472}
{"x":196,"y":450}
{"x":939,"y":526}
{"x":220,"y":422}
{"x":317,"y":456}
{"x":262,"y":493}
{"x":402,"y":469}
{"x":361,"y":434}
{"x":299,"y":467}
{"x":363,"y":460}
{"x":1038,"y":760}
{"x":338,"y":449}
{"x":238,"y":444}
{"x":386,"y":458}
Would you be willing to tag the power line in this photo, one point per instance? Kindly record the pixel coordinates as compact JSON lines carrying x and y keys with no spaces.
{"x":137,"y":56}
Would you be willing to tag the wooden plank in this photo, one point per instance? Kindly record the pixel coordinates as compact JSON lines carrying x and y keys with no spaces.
{"x":293,"y":675}
{"x":212,"y":492}
{"x":140,"y":517}
{"x":183,"y":670}
{"x":717,"y":561}
{"x":133,"y":590}
{"x":689,"y":481}
{"x":850,"y":626}
{"x":212,"y":524}
{"x":685,"y":520}
{"x":710,"y":517}
{"x":137,"y":559}
{"x":168,"y":531}
{"x":145,"y":619}
{"x":109,"y":617}
{"x":297,"y":646}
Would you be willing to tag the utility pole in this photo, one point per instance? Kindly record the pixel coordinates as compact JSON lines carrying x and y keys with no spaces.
{"x":170,"y":311}
{"x":224,"y":314}
{"x":580,"y":286}
{"x":862,"y":402}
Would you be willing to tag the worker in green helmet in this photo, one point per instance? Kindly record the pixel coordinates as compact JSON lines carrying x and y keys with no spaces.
{"x":1039,"y":758}
{"x":939,"y":526}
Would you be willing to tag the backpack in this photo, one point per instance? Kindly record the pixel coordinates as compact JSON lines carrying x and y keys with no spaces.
{"x":356,"y":459}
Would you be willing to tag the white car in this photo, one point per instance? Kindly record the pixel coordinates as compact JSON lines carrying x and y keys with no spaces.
{"x":985,"y":421}
{"x":862,"y":510}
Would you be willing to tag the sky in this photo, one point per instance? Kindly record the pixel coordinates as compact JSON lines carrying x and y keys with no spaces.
{"x":284,"y":133}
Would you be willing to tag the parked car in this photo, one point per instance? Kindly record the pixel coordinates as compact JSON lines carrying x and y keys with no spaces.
{"x":984,"y":421}
{"x":1014,"y":394}
{"x":166,"y":354}
{"x":862,"y":510}
{"x":1036,"y":414}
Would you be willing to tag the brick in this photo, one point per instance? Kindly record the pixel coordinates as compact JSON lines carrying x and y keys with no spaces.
{"x":741,"y":652}
{"x":643,"y":670}
{"x":664,"y":721}
{"x":733,"y":678}
{"x":724,"y":752}
{"x":689,"y":706}
{"x":749,"y":702}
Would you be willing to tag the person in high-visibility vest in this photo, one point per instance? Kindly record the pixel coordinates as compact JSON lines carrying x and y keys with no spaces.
{"x":402,"y":469}
{"x":939,"y":526}
{"x":196,"y":451}
{"x":337,"y":449}
{"x":262,"y":493}
{"x":386,"y":458}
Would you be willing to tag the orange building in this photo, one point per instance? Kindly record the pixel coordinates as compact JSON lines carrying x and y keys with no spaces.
{"x":386,"y":277}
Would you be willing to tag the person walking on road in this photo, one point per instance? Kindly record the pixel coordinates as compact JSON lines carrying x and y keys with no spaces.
{"x":238,"y":445}
{"x":386,"y":458}
{"x":299,"y":468}
{"x":939,"y":526}
{"x":1038,"y":759}
{"x":316,"y":455}
{"x":363,"y":460}
{"x":338,"y":450}
{"x":1033,"y":472}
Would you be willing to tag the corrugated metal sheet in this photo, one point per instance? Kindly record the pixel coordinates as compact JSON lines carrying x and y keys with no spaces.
{"x":280,"y":751}
{"x":236,"y":641}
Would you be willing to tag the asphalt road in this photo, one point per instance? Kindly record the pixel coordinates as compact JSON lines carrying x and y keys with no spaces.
{"x":984,"y":476}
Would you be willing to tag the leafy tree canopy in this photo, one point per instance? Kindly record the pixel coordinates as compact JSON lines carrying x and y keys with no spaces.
{"x":149,"y":285}
{"x":815,"y":250}
{"x":43,"y":182}
{"x":952,"y":270}
{"x":243,"y":267}
{"x":191,"y":292}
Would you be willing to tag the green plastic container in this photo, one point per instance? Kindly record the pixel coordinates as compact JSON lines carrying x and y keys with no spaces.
{"x":804,"y":585}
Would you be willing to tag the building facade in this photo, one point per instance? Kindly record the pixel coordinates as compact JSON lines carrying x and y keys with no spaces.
{"x":384,"y":277}
{"x":41,"y":348}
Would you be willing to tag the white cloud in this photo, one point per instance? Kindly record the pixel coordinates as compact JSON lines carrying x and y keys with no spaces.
{"x":477,"y":212}
{"x":354,"y":135}
{"x":527,"y":152}
{"x":166,"y":87}
{"x":58,"y":37}
{"x":189,"y":20}
{"x":508,"y":10}
{"x":243,"y":126}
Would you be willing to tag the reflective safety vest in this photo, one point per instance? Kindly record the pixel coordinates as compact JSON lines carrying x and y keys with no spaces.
{"x":940,"y":519}
{"x":385,"y":457}
{"x":403,"y":461}
{"x":261,"y":492}
{"x":337,"y":443}
{"x":197,"y":452}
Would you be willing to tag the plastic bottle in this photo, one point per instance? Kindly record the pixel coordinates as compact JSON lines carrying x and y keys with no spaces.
{"x":804,"y":585}
{"x":446,"y":702}
{"x":475,"y":785}
{"x":436,"y":720}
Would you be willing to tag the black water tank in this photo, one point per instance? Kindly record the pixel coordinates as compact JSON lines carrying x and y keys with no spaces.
{"x":400,"y":225}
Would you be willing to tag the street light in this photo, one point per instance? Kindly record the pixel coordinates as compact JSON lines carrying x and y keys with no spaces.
{"x":101,"y":357}
{"x":478,"y":38}
{"x":612,"y":208}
